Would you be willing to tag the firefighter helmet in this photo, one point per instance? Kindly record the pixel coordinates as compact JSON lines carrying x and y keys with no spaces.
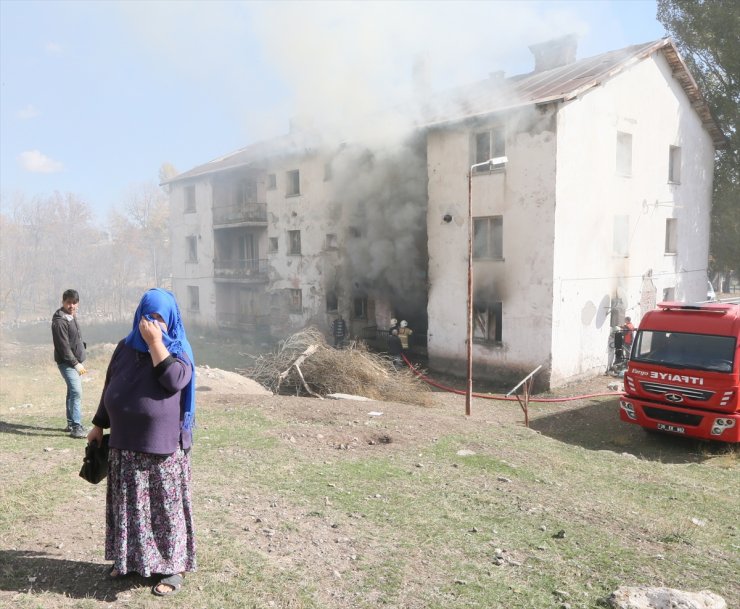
{"x":404,"y":323}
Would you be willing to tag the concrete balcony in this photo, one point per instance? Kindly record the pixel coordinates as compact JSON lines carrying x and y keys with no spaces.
{"x":245,"y":214}
{"x":241,"y":271}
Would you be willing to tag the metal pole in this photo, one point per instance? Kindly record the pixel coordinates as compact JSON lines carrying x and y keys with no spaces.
{"x":469,"y":339}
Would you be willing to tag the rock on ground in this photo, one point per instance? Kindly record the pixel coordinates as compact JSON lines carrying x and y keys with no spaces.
{"x":644,"y":597}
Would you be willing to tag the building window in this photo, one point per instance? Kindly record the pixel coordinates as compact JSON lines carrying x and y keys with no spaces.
{"x":331,"y":241}
{"x":674,"y":164}
{"x":332,"y":302}
{"x":359,"y":308}
{"x":271,"y":181}
{"x":192,"y":244}
{"x":293,"y":186}
{"x":189,"y":199}
{"x":295,"y":300}
{"x":624,"y":153}
{"x":355,"y":232}
{"x":193,"y":298}
{"x":671,"y":235}
{"x":490,"y":145}
{"x":272,"y":245}
{"x":669,"y":294}
{"x":488,"y":237}
{"x":487,"y":319}
{"x":294,"y":242}
{"x":246,"y":192}
{"x":327,"y":171}
{"x":620,"y":241}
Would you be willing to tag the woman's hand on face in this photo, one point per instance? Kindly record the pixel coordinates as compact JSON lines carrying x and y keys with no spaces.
{"x":151,"y":331}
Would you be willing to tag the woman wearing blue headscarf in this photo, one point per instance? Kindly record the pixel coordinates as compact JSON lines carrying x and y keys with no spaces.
{"x":148,"y":402}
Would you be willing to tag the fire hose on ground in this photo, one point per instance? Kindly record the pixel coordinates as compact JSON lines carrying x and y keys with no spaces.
{"x":493,"y":396}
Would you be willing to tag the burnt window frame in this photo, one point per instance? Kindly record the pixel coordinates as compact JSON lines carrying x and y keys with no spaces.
{"x":362,"y":308}
{"x":488,"y":322}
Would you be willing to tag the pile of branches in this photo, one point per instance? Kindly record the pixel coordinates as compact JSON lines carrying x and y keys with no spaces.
{"x":304,"y":364}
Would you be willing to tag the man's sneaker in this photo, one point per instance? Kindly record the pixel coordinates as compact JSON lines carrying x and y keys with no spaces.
{"x":67,"y":429}
{"x":78,"y":431}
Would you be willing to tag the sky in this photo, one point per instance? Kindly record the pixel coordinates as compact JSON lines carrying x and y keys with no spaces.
{"x":96,"y":95}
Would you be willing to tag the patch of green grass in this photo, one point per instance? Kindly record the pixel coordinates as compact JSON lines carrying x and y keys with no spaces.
{"x":285,"y":525}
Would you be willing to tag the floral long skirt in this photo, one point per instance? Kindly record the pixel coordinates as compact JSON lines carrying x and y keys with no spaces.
{"x":149,"y":515}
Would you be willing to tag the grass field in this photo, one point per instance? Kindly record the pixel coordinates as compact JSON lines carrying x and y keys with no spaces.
{"x":302,"y":503}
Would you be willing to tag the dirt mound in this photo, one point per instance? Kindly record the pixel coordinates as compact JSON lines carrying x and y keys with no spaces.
{"x":225,"y":382}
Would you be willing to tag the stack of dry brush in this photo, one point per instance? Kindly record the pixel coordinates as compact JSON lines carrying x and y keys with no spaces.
{"x":305,"y":364}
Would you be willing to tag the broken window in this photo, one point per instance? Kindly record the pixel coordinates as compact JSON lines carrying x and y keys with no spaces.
{"x":271,"y":181}
{"x":294,"y":242}
{"x":295,"y":300}
{"x":487,"y":318}
{"x":272,"y":245}
{"x":359,"y":307}
{"x":189,"y":199}
{"x":192,"y":243}
{"x":674,"y":164}
{"x":331,"y":241}
{"x":332,"y":302}
{"x":624,"y":153}
{"x":193,"y":298}
{"x":488,"y":237}
{"x":671,"y":235}
{"x":620,"y":243}
{"x":293,"y":186}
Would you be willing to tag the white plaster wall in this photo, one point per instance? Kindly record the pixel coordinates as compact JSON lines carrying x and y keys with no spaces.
{"x":185,"y":273}
{"x":524,"y":194}
{"x":648,"y":103}
{"x":311,"y":212}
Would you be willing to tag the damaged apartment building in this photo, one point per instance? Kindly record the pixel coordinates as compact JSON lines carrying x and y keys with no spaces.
{"x":590,"y":188}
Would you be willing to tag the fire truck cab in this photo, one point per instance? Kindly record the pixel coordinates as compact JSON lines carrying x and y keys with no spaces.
{"x":683,"y":375}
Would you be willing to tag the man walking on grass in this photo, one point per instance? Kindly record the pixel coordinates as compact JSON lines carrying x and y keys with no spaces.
{"x":69,"y":353}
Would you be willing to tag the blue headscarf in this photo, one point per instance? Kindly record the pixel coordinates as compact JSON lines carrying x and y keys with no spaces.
{"x":175,"y":340}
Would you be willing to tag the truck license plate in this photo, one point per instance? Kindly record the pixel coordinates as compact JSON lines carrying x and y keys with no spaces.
{"x":672,"y":428}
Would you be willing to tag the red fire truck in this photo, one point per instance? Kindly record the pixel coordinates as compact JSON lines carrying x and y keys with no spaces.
{"x":683,"y":375}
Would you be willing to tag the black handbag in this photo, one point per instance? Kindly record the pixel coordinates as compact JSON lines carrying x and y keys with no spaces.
{"x":95,"y":464}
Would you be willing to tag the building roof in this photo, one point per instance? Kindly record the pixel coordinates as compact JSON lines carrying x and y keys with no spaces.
{"x":497,"y":94}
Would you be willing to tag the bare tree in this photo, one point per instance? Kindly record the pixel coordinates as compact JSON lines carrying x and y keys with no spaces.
{"x":147,"y":210}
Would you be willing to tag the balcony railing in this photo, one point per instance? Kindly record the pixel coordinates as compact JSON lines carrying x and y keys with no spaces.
{"x":237,"y":214}
{"x":241,"y":269}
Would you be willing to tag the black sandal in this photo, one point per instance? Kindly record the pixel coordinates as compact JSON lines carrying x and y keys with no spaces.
{"x":173,"y":581}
